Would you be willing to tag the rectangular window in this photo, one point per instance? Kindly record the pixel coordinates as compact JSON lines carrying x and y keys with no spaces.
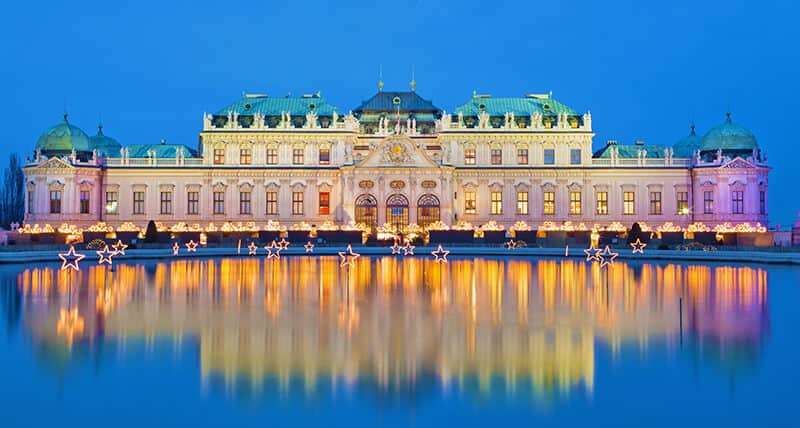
{"x":469,"y":156}
{"x":762,"y":202}
{"x":84,"y":201}
{"x":628,"y":203}
{"x":324,"y":203}
{"x":522,"y":203}
{"x":297,"y":156}
{"x":297,"y":203}
{"x":272,"y":203}
{"x":497,"y":203}
{"x":30,"y":201}
{"x":324,"y":156}
{"x":655,"y":203}
{"x":549,"y":203}
{"x":575,"y":156}
{"x":470,"y":203}
{"x":244,"y":203}
{"x":138,"y":202}
{"x":112,"y":202}
{"x":55,"y":202}
{"x":522,"y":156}
{"x":602,"y":203}
{"x":166,"y":202}
{"x":245,"y":156}
{"x":272,"y":156}
{"x":708,"y":202}
{"x":192,"y":203}
{"x":549,"y":156}
{"x":497,"y":156}
{"x":219,"y":202}
{"x":683,"y":203}
{"x":737,"y":202}
{"x":575,"y":203}
{"x":219,"y":156}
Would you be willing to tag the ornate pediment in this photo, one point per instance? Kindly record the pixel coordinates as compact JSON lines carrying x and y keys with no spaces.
{"x":738,"y":163}
{"x":397,"y":151}
{"x":55,"y":163}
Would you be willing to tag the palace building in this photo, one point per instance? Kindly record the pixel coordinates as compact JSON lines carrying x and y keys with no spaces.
{"x":397,"y":159}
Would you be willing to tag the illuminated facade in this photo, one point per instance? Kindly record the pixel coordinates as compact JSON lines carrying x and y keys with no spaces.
{"x":397,"y":159}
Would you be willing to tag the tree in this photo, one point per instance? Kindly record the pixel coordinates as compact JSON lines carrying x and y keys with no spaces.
{"x":12,"y":194}
{"x":151,"y":233}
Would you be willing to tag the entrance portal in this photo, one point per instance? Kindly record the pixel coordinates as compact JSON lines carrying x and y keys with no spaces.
{"x":397,"y":211}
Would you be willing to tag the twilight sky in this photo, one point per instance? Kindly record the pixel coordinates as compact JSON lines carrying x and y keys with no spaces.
{"x":646,"y":70}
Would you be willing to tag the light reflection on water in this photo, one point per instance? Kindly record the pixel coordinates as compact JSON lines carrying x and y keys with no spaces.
{"x":517,"y":327}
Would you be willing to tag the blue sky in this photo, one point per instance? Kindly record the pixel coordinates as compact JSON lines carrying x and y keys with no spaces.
{"x":645,"y":70}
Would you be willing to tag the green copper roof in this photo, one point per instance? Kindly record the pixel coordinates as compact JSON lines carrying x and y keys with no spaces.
{"x":162,"y":150}
{"x":630,"y":151}
{"x":105,"y":145}
{"x":63,"y":138}
{"x":390,"y":101}
{"x":267,"y":106}
{"x":728,"y":136}
{"x":686,"y":146}
{"x":520,"y":106}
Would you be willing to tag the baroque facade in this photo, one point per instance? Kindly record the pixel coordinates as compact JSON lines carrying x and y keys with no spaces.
{"x":397,"y":159}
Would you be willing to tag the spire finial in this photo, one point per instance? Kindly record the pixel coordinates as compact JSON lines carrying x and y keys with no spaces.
{"x":413,"y":82}
{"x":728,"y":117}
{"x":65,"y":116}
{"x":380,"y":78}
{"x":692,"y":126}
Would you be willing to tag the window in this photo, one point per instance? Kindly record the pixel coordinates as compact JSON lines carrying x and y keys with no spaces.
{"x":272,"y":203}
{"x":55,"y":202}
{"x":245,"y":156}
{"x":522,"y":203}
{"x":324,"y":203}
{"x":522,"y":156}
{"x":497,"y":203}
{"x":737,"y":202}
{"x":297,"y":156}
{"x":549,"y":156}
{"x":112,"y":202}
{"x":138,"y":202}
{"x":762,"y":202}
{"x":683,"y":203}
{"x":470,"y":203}
{"x":30,"y":201}
{"x":193,"y":203}
{"x":219,"y":156}
{"x":272,"y":156}
{"x":297,"y":203}
{"x":166,"y":202}
{"x":575,"y":203}
{"x":324,"y":156}
{"x":244,"y":203}
{"x":655,"y":203}
{"x":219,"y":202}
{"x":602,"y":203}
{"x":575,"y":156}
{"x":469,"y":156}
{"x":549,"y":203}
{"x":497,"y":156}
{"x":628,"y":203}
{"x":84,"y":201}
{"x":708,"y":202}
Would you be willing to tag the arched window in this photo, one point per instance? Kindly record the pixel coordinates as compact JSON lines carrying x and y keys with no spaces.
{"x":397,"y":211}
{"x":427,"y":209}
{"x":367,"y":210}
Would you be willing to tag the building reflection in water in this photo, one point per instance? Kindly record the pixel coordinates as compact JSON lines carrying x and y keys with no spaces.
{"x":401,"y":323}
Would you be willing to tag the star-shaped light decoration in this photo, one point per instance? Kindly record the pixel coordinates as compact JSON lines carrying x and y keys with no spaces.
{"x":70,"y":259}
{"x":252,"y":249}
{"x":440,"y":254}
{"x":512,"y":244}
{"x":592,"y":254}
{"x":105,"y":256}
{"x":396,"y":248}
{"x":408,"y":249}
{"x":273,"y":250}
{"x":119,"y":248}
{"x":175,"y":249}
{"x":191,"y":246}
{"x":283,"y":244}
{"x":607,"y":256}
{"x":348,"y":257}
{"x":638,"y":246}
{"x":309,"y":247}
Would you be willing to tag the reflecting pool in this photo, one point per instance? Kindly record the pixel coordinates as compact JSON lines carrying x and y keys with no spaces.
{"x":398,"y":342}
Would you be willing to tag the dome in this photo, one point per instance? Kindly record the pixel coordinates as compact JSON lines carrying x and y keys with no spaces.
{"x":729,"y":136}
{"x":106,"y":146}
{"x":686,"y":146}
{"x":63,"y":138}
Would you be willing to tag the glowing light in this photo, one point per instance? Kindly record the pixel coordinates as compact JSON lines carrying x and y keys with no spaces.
{"x":437,"y":225}
{"x":283,"y":243}
{"x":440,"y":254}
{"x":252,"y":249}
{"x":408,"y":249}
{"x":348,"y":257}
{"x":669,"y":227}
{"x":492,"y":225}
{"x":273,"y":250}
{"x":463,"y":225}
{"x":521,"y":226}
{"x":698,"y":227}
{"x":592,"y":254}
{"x":309,"y":247}
{"x":105,"y":256}
{"x":128,"y":227}
{"x":70,"y":259}
{"x":191,"y":246}
{"x":396,"y":248}
{"x":512,"y":244}
{"x":175,"y":249}
{"x":100,"y":226}
{"x":35,"y":229}
{"x":638,"y":246}
{"x":607,"y":256}
{"x":119,"y":247}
